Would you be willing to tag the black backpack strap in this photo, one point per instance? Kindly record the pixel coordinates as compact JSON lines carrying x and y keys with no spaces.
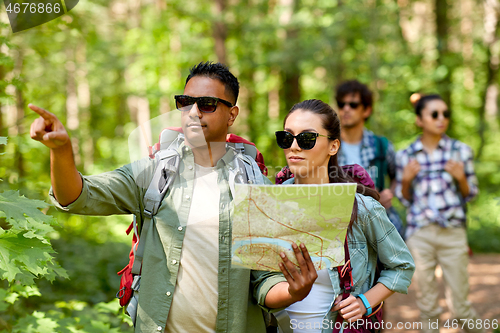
{"x":380,"y":160}
{"x":455,"y":148}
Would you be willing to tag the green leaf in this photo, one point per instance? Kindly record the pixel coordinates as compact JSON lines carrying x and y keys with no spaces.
{"x":10,"y":269}
{"x":26,"y":291}
{"x":24,"y":258}
{"x":11,"y":298}
{"x":99,"y":326}
{"x":36,"y":323}
{"x":111,"y":307}
{"x":73,"y":305}
{"x":3,"y":304}
{"x":18,"y":208}
{"x":54,"y":269}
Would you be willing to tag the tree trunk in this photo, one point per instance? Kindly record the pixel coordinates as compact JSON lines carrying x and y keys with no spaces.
{"x":291,"y":87}
{"x":401,"y":36}
{"x":72,"y":119}
{"x":220,"y":31}
{"x":140,"y":114}
{"x":442,"y":26}
{"x":336,"y":67}
{"x":274,"y":98}
{"x":290,"y":93}
{"x":19,"y":160}
{"x":83,"y":94}
{"x":490,"y":93}
{"x":252,"y":115}
{"x":2,"y":93}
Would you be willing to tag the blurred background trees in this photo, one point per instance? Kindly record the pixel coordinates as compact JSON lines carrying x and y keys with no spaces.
{"x":108,"y":66}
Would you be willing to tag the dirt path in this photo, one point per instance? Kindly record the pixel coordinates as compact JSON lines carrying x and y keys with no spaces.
{"x":484,"y":279}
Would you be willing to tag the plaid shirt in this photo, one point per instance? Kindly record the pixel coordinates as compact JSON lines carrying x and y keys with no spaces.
{"x":435,"y":195}
{"x":368,"y":152}
{"x":368,"y":157}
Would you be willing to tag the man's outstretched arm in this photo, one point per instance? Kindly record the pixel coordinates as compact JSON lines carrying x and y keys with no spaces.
{"x":66,"y":181}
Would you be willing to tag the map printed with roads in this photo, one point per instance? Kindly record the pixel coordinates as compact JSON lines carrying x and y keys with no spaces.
{"x":268,"y":218}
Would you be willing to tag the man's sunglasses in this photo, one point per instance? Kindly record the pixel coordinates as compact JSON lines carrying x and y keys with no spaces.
{"x":353,"y":105}
{"x":446,"y":114}
{"x":305,"y":140}
{"x":205,"y":104}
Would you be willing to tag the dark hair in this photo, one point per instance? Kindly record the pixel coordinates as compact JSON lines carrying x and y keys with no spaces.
{"x":353,"y":87}
{"x":331,"y":124}
{"x":217,"y":71}
{"x":420,"y":101}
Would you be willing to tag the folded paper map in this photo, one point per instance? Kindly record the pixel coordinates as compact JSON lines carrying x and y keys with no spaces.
{"x":268,"y":218}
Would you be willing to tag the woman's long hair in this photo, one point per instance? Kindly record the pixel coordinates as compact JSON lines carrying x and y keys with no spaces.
{"x":331,"y":124}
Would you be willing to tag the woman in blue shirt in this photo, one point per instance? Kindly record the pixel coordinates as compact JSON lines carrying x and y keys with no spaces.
{"x":310,"y":141}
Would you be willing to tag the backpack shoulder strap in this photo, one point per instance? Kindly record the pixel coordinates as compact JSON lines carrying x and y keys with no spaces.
{"x":381,"y":145}
{"x":455,"y":149}
{"x":252,"y":170}
{"x":245,"y":171}
{"x":244,"y":148}
{"x":166,"y":170}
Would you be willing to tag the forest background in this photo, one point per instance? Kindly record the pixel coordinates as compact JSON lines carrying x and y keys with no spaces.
{"x":108,"y":66}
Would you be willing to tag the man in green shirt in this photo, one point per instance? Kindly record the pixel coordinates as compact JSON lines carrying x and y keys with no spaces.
{"x":187,"y":281}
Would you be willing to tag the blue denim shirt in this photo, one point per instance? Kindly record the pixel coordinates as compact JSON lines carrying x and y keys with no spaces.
{"x":373,"y":235}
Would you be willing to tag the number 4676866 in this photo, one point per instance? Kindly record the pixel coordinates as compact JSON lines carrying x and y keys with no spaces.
{"x":33,"y":8}
{"x":471,"y":324}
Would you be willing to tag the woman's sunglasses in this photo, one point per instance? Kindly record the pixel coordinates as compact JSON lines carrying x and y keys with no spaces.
{"x":205,"y":104}
{"x":305,"y":140}
{"x":446,"y":114}
{"x":353,"y":105}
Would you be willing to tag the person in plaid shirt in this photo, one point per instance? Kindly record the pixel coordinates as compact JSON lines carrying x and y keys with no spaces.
{"x":435,"y":178}
{"x":361,"y":146}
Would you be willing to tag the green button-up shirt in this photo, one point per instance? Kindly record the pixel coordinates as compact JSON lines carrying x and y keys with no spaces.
{"x":241,"y":292}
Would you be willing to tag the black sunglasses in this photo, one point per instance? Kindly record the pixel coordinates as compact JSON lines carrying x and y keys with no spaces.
{"x":446,"y":114}
{"x":305,"y":140}
{"x":353,"y":105}
{"x":205,"y":104}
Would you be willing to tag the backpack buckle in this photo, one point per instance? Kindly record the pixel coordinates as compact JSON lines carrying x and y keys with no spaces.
{"x":148,"y":213}
{"x":136,"y":284}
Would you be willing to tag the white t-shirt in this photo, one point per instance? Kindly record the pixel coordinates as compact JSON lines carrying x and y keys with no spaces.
{"x":352,"y":152}
{"x":307,"y":315}
{"x":194,"y":303}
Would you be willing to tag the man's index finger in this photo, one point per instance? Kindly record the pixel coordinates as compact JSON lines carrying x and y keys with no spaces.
{"x":42,"y":112}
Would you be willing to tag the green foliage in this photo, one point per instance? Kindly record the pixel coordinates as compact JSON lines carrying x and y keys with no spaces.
{"x":482,"y":226}
{"x":62,"y":317}
{"x":25,"y":251}
{"x":71,"y":318}
{"x":25,"y":254}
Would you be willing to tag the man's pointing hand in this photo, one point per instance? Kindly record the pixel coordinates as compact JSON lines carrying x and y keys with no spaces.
{"x":48,"y":129}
